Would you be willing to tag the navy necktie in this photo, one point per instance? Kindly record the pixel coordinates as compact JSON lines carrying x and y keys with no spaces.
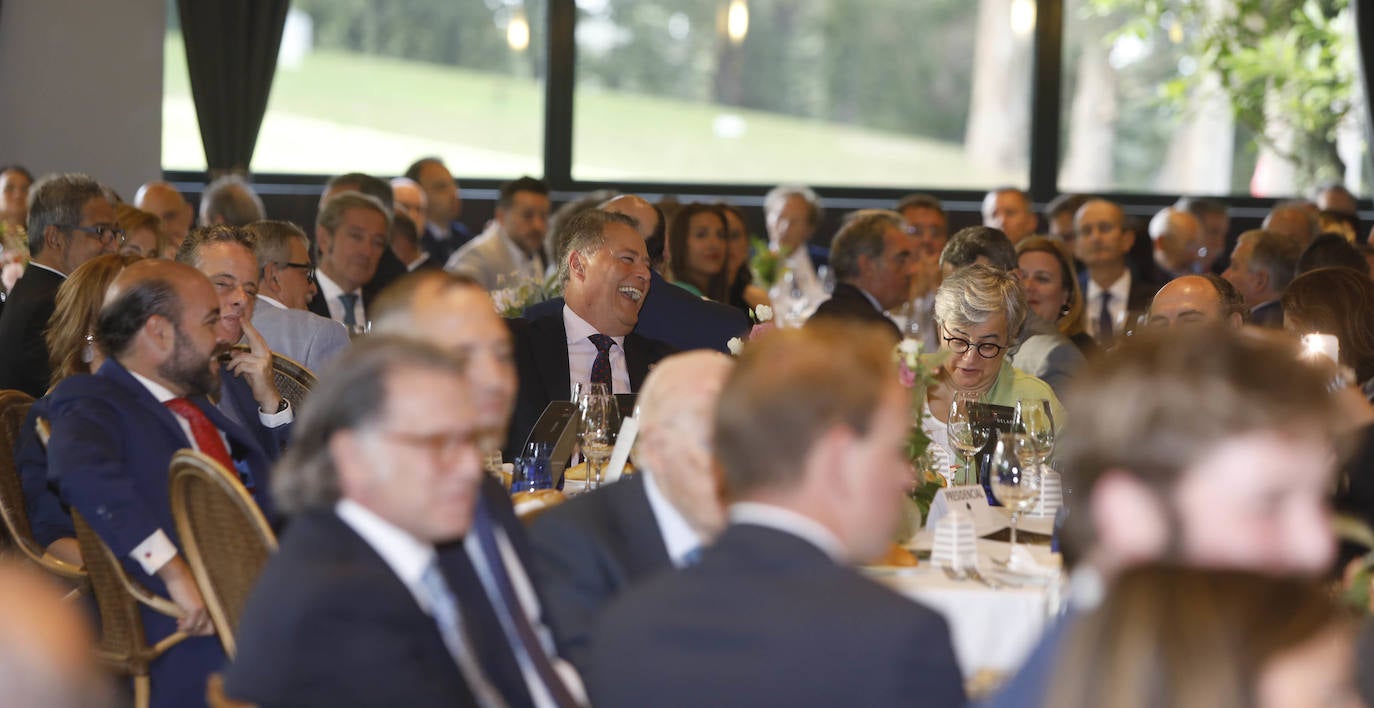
{"x":349,"y":300}
{"x":601,"y":365}
{"x":482,"y":525}
{"x":493,"y":651}
{"x":1105,"y":330}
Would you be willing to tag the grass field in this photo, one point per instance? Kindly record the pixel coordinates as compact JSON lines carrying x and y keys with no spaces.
{"x":339,"y":112}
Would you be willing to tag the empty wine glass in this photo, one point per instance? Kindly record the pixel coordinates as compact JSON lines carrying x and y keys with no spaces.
{"x":598,"y":422}
{"x":1016,"y":486}
{"x":1035,"y":419}
{"x":964,"y":433}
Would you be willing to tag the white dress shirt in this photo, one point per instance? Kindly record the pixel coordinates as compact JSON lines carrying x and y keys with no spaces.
{"x":1121,"y":296}
{"x":789,"y":522}
{"x":58,"y":273}
{"x":582,"y":353}
{"x":331,"y":291}
{"x":678,"y":536}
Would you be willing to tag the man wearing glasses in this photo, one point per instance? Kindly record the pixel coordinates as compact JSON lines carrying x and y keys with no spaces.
{"x":286,"y":283}
{"x":71,"y":220}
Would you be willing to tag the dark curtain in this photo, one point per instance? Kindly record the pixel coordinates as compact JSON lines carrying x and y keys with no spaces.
{"x":231,"y":55}
{"x":1364,"y":36}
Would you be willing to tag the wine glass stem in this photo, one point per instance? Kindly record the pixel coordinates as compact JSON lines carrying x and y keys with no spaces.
{"x":1014,"y":516}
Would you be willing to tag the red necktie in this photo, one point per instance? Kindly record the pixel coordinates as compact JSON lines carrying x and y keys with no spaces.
{"x":207,"y":436}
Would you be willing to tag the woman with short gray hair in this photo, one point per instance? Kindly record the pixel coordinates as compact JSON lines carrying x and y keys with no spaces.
{"x":978,"y":310}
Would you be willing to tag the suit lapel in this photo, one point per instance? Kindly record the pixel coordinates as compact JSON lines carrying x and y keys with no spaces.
{"x":635,"y":524}
{"x":140,"y":395}
{"x":318,"y":305}
{"x":636,"y":360}
{"x":550,"y":343}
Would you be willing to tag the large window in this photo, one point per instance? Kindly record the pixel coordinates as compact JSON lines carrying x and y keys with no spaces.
{"x":1242,"y":97}
{"x":857,"y":92}
{"x":373,"y":86}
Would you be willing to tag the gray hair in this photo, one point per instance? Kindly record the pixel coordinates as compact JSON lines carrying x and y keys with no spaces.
{"x":331,"y":215}
{"x":189,"y":252}
{"x":1274,"y":253}
{"x":352,"y":395}
{"x":585,"y":234}
{"x":274,"y":241}
{"x":861,"y":235}
{"x":57,"y":200}
{"x":965,"y":247}
{"x":779,"y":195}
{"x":232,"y":200}
{"x":973,"y":295}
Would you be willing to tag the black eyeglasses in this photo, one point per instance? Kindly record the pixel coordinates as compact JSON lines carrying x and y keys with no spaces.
{"x":307,"y":267}
{"x":101,"y":232}
{"x":987,"y":350}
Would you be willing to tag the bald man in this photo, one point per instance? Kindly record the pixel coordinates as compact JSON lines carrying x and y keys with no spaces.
{"x":1178,"y":241}
{"x":1196,"y":301}
{"x":590,"y":549}
{"x":1113,"y":295}
{"x":164,"y":200}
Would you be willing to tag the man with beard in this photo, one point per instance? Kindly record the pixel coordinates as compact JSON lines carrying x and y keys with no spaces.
{"x":114,"y":433}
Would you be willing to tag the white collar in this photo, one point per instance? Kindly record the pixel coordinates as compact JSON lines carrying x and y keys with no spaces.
{"x":678,"y":536}
{"x":578,"y":329}
{"x":407,"y":556}
{"x":58,"y":273}
{"x":160,"y":392}
{"x":789,"y":522}
{"x":329,"y":289}
{"x":801,"y":256}
{"x":274,"y":303}
{"x":411,"y":266}
{"x":1120,"y":288}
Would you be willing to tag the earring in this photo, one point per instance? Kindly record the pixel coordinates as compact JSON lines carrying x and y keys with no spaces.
{"x":1064,"y":309}
{"x":88,"y":351}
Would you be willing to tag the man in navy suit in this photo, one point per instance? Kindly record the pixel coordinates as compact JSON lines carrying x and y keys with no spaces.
{"x":443,"y":233}
{"x":874,"y":262}
{"x":606,"y":272}
{"x":1262,"y":265}
{"x":71,"y":221}
{"x":1115,"y":295}
{"x":773,"y":614}
{"x":592,"y":548}
{"x":114,"y":433}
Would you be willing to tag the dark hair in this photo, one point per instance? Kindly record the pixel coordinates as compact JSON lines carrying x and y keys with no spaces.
{"x":404,"y":227}
{"x":189,"y":253}
{"x":56,"y":200}
{"x":1073,"y":319}
{"x":1202,"y":206}
{"x":862,"y":234}
{"x":1066,"y":204}
{"x":523,"y":184}
{"x":556,"y":242}
{"x":919,"y":201}
{"x":965,"y":246}
{"x":121,"y":318}
{"x":1232,"y":302}
{"x":1337,"y":301}
{"x":418,"y":166}
{"x":1332,"y":251}
{"x":679,"y":233}
{"x":351,"y":395}
{"x":374,"y":187}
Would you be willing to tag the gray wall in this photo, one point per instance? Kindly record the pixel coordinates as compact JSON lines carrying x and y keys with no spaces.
{"x":81,"y":88}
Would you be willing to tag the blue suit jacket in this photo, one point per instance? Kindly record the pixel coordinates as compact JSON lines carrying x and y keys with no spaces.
{"x":674,"y":316}
{"x":766,"y":618}
{"x":588,"y":551}
{"x":330,"y":624}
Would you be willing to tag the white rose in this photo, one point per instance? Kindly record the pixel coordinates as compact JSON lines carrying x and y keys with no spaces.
{"x":909,"y":347}
{"x":763,"y":313}
{"x":735,"y":345}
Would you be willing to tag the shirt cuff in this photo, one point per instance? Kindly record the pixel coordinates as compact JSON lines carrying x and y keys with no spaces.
{"x":276,"y":420}
{"x":154,"y":552}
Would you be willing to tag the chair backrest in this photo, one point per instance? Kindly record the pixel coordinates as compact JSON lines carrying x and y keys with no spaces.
{"x":223,"y":534}
{"x":122,"y":641}
{"x":293,"y":380}
{"x":14,"y":405}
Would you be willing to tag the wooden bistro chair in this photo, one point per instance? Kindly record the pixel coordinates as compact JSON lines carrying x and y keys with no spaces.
{"x":14,"y":405}
{"x":293,"y":380}
{"x":224,"y":537}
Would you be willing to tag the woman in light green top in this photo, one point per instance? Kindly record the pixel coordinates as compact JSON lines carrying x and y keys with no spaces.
{"x":978,"y":310}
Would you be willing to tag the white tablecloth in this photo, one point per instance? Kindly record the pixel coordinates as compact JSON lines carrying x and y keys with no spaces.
{"x":991,"y":629}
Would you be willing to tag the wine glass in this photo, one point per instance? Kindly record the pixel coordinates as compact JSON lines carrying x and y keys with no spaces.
{"x":1015,"y":485}
{"x":598,"y":421}
{"x":964,"y":433}
{"x":1035,"y":419}
{"x":582,"y":388}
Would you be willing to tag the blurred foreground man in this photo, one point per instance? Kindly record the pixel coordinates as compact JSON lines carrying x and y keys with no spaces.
{"x":594,"y":547}
{"x":773,"y":614}
{"x":1223,"y":458}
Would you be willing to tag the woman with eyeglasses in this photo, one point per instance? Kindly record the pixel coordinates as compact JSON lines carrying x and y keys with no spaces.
{"x":977,"y":310}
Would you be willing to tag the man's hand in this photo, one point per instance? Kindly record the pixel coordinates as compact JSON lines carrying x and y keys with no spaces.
{"x":181,"y":586}
{"x":255,"y":366}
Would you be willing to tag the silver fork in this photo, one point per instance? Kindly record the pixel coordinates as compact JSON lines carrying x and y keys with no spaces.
{"x":953,"y":574}
{"x":994,"y":584}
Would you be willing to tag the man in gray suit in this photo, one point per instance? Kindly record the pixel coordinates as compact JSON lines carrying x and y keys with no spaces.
{"x":285,"y":287}
{"x":510,"y":252}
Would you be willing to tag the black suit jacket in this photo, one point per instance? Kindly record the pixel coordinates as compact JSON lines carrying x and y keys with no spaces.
{"x":672,"y":315}
{"x":320,"y":307}
{"x":1268,"y":314}
{"x":848,"y":303}
{"x":589,"y":550}
{"x":329,"y":624}
{"x":23,"y":351}
{"x":767,"y":619}
{"x":541,"y":360}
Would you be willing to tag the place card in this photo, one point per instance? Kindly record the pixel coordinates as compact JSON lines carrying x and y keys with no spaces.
{"x":1051,"y":495}
{"x":620,"y":454}
{"x":956,"y":544}
{"x":970,"y":499}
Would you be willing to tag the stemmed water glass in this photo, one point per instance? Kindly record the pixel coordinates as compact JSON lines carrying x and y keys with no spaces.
{"x":1015,"y":485}
{"x":1035,"y":420}
{"x":598,"y":422}
{"x":964,"y":432}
